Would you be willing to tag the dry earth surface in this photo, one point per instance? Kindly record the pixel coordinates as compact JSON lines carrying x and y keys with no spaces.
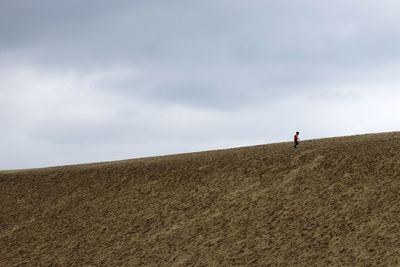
{"x":331,"y":202}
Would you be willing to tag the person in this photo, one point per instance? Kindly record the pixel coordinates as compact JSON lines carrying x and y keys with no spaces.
{"x":296,"y":139}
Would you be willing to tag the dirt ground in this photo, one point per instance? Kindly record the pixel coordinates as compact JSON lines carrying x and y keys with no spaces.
{"x":331,"y":202}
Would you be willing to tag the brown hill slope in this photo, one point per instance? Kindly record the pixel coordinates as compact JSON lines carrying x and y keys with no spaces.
{"x":332,"y":202}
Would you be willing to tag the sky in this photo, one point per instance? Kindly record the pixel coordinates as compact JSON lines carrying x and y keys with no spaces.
{"x":88,"y":81}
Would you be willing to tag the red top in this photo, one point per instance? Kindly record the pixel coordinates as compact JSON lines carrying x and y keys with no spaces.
{"x":296,"y":138}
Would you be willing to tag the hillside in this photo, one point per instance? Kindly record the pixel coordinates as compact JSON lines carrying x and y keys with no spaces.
{"x":331,"y":202}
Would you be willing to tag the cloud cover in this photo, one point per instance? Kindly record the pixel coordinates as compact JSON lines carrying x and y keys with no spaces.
{"x":85,"y":81}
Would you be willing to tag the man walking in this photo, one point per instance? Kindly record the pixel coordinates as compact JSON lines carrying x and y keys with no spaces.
{"x":296,"y":139}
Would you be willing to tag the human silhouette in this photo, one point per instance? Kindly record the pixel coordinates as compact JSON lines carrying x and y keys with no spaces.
{"x":296,"y":139}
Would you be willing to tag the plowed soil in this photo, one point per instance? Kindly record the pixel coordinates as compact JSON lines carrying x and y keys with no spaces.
{"x":331,"y":202}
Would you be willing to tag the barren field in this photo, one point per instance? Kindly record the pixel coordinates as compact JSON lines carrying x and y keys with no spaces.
{"x":331,"y":202}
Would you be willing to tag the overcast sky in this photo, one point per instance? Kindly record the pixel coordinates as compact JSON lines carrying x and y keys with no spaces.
{"x":86,"y":81}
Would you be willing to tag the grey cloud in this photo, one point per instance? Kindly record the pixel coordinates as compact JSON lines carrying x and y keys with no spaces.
{"x":178,"y":34}
{"x":246,"y":31}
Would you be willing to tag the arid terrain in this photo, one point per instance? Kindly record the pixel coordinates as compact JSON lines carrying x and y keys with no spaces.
{"x":331,"y":202}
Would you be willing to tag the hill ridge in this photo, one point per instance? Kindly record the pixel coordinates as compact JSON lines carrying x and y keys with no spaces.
{"x":116,"y":161}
